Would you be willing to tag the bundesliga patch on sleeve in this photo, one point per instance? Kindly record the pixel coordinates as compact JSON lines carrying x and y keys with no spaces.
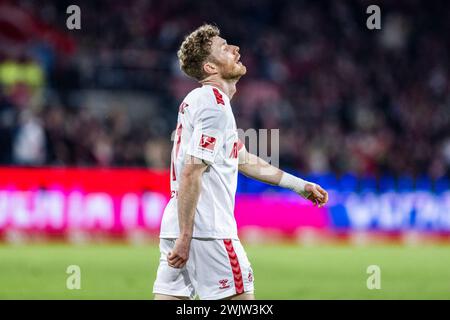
{"x":207,"y":143}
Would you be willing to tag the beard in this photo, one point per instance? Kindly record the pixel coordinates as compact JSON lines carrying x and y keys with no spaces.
{"x":233,"y":72}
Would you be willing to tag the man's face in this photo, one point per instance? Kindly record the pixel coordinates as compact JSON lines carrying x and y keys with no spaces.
{"x":226,"y":57}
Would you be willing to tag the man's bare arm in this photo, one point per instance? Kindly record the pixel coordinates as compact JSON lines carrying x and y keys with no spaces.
{"x":188,"y":195}
{"x":256,"y":168}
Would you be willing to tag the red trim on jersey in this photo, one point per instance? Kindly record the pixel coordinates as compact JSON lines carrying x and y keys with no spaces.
{"x":177,"y":148}
{"x":219,"y":98}
{"x":234,"y":151}
{"x":179,"y":131}
{"x":183,"y":106}
{"x":240,"y":145}
{"x":174,"y":176}
{"x":235,"y":267}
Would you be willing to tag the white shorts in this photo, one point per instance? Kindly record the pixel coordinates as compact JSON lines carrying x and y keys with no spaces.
{"x":216,"y":269}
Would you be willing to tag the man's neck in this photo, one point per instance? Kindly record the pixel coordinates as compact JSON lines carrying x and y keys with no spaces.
{"x":226,"y":86}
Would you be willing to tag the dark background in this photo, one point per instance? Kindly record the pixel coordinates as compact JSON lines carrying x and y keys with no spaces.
{"x":346,"y":99}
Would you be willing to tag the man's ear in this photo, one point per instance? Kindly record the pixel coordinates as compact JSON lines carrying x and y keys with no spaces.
{"x":210,"y":68}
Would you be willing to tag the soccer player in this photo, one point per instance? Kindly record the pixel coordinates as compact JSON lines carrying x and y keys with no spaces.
{"x":200,"y":250}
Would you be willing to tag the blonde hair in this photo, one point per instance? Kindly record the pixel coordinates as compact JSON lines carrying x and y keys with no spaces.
{"x":195,"y":50}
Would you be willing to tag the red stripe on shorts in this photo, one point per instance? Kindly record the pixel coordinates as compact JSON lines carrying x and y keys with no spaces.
{"x":235,"y":267}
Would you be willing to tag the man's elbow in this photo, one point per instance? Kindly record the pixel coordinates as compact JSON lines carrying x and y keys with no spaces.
{"x":190,"y":175}
{"x":193,"y":172}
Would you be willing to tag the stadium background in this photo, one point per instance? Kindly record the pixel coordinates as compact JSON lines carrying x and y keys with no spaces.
{"x":86,"y":118}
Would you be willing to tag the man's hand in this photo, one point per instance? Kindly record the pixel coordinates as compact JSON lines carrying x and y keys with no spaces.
{"x":318,"y":195}
{"x":179,"y":256}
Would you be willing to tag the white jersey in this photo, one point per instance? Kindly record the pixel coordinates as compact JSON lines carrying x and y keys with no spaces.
{"x":206,"y":129}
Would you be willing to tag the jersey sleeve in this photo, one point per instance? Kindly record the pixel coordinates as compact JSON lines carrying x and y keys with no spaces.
{"x":242,"y":152}
{"x":208,"y":136}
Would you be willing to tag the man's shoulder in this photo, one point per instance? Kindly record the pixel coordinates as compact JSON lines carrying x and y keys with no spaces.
{"x":201,"y":97}
{"x":200,"y":93}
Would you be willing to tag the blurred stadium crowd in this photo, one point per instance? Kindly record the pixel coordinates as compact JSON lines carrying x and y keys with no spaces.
{"x":345,"y":98}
